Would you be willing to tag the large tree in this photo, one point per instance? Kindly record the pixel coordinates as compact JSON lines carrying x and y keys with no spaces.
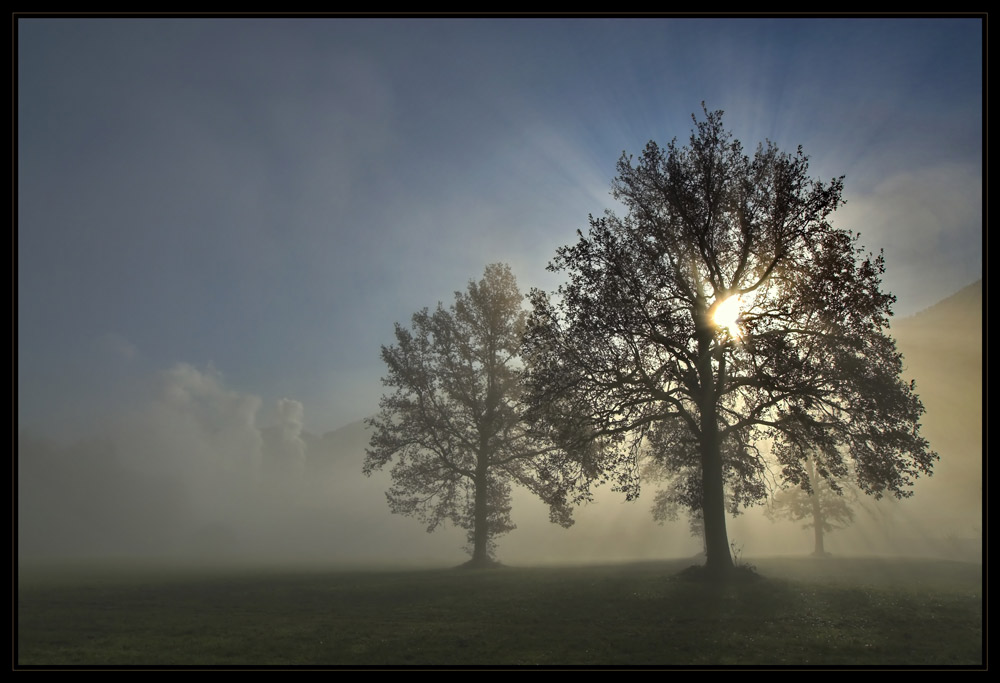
{"x":454,"y":420}
{"x":721,"y":313}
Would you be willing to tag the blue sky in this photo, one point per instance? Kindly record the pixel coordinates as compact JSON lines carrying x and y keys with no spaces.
{"x":261,"y":199}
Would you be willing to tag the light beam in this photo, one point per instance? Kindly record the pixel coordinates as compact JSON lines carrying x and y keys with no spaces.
{"x":727,"y":315}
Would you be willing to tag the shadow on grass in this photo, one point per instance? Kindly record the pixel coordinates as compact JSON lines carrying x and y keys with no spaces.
{"x":743,"y":573}
{"x":480,"y":564}
{"x":800,"y":612}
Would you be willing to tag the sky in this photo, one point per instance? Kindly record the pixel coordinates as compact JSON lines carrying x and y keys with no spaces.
{"x":231,"y":214}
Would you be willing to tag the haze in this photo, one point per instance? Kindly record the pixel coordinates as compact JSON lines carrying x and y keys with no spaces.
{"x":219,"y":221}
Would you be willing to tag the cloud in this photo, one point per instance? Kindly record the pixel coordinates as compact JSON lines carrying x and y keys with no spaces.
{"x":929,"y":221}
{"x":929,"y":204}
{"x":219,"y":420}
{"x":284,"y":449}
{"x":197,"y":432}
{"x":188,"y":469}
{"x":117,"y":346}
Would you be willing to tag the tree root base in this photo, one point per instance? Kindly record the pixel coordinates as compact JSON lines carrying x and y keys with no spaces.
{"x":737,"y":574}
{"x":480,"y":564}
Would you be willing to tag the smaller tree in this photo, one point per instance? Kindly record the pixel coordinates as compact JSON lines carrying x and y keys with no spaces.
{"x":824,"y":503}
{"x":454,"y":420}
{"x":667,"y":508}
{"x":678,"y":491}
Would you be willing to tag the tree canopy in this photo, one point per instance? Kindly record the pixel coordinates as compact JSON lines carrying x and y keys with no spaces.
{"x":453,"y":422}
{"x":636,"y":350}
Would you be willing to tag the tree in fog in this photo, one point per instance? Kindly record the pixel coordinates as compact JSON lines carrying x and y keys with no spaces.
{"x":453,"y":423}
{"x":721,"y":312}
{"x":824,"y":504}
{"x":667,"y":509}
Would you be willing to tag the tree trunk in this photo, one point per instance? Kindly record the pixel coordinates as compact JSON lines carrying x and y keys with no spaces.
{"x":817,"y":524}
{"x":718,"y":558}
{"x":480,"y":544}
{"x":817,"y":510}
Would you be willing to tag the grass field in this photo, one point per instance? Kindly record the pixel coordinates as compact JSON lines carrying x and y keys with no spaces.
{"x":802,"y":611}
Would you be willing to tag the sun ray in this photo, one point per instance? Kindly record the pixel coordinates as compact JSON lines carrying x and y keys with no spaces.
{"x":727,"y":315}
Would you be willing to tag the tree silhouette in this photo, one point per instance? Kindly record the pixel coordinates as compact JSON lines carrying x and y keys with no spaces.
{"x":454,"y":422}
{"x":636,"y":350}
{"x":821,"y":502}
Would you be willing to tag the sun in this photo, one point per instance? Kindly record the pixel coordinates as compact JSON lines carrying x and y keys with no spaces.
{"x":727,"y":315}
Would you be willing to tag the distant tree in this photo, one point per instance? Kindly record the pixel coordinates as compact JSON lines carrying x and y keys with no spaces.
{"x":822,"y":502}
{"x":453,"y":423}
{"x":721,"y":312}
{"x":667,"y":509}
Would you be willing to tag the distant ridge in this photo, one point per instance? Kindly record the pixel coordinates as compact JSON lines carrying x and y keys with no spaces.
{"x":963,"y":308}
{"x":345,"y":444}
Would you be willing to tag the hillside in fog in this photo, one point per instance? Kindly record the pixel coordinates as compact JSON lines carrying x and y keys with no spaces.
{"x":942,"y":350}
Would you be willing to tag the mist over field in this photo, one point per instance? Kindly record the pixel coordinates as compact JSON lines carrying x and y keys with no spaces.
{"x":199,"y":472}
{"x":220,"y":221}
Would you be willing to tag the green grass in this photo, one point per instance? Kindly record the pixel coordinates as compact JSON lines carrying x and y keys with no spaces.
{"x":803,"y":612}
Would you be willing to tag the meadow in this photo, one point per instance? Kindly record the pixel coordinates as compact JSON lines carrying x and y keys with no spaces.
{"x":799,"y":612}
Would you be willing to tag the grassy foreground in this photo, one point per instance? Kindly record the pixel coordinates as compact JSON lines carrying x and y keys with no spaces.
{"x":802,"y":612}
